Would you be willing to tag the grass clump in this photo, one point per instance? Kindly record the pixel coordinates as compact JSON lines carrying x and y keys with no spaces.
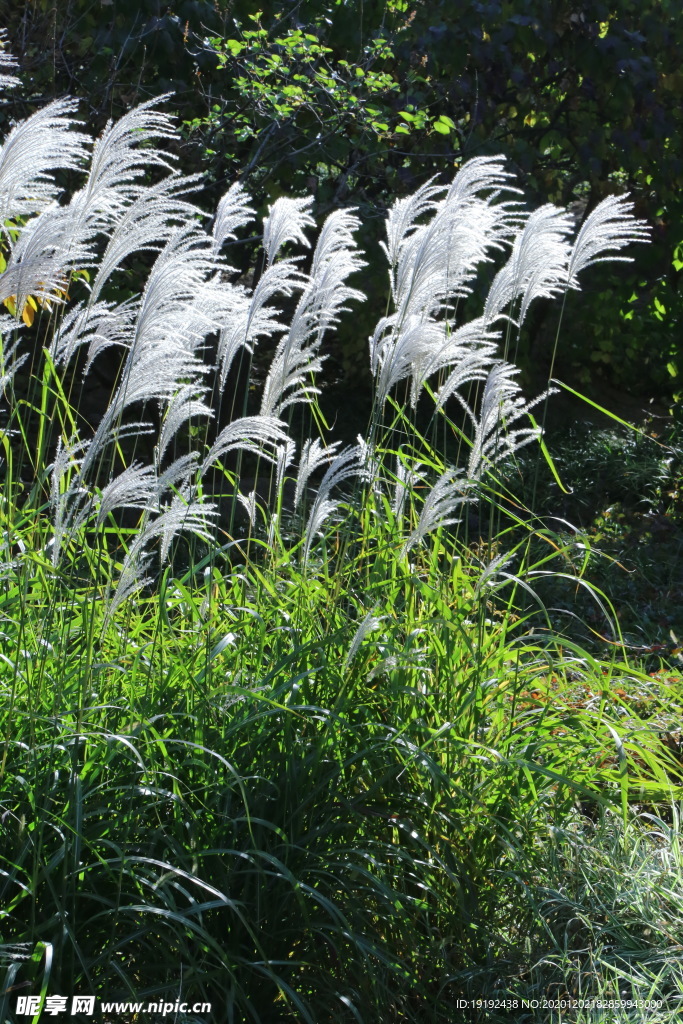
{"x":308,"y":768}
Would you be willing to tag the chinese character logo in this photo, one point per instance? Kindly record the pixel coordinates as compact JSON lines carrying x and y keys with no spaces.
{"x":28,"y":1006}
{"x":55,"y":1005}
{"x":83,"y":1004}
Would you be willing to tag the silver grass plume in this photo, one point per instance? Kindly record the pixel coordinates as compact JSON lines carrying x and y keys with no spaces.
{"x":403,"y":214}
{"x":494,"y":569}
{"x":185,"y":405}
{"x":447,"y":495}
{"x":177,"y":475}
{"x":297,"y":358}
{"x":71,"y":502}
{"x":257,"y":434}
{"x":442,"y":257}
{"x":188,"y":517}
{"x":405,"y":480}
{"x":43,"y":143}
{"x":156,"y":376}
{"x":348,"y":464}
{"x":313,"y":455}
{"x":248,"y":318}
{"x":176,"y":309}
{"x":191,"y":517}
{"x":121,"y":156}
{"x":502,"y":405}
{"x":131,"y":580}
{"x":9,"y":362}
{"x":285,"y":458}
{"x":286,"y":222}
{"x":469,"y":349}
{"x":370,"y":623}
{"x":608,"y":228}
{"x":135,"y":487}
{"x":7,"y":63}
{"x":99,"y":326}
{"x":248,"y":503}
{"x":433,"y":264}
{"x":149,"y":221}
{"x":42,"y":258}
{"x":537,"y":266}
{"x":232,"y":212}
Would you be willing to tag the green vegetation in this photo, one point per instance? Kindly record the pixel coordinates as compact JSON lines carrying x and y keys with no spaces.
{"x":341,"y":759}
{"x":358,"y":102}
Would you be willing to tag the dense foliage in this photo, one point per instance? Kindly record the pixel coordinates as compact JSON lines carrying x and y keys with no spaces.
{"x":368,"y":99}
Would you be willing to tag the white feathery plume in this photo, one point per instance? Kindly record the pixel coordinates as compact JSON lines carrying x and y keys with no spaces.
{"x":296,"y":357}
{"x":9,"y":363}
{"x":154,"y":216}
{"x":394,"y":354}
{"x":181,"y":515}
{"x":474,"y":366}
{"x":608,"y":228}
{"x":7,"y":63}
{"x":42,"y":143}
{"x":121,"y":156}
{"x":289,"y":376}
{"x":134,"y":487}
{"x":335,"y":258}
{"x":272,"y":529}
{"x":433,"y":264}
{"x":479,"y":174}
{"x":347,"y":464}
{"x":175,"y":308}
{"x":248,"y":318}
{"x":156,"y":376}
{"x":502,"y":405}
{"x":188,"y":517}
{"x":99,"y":326}
{"x":370,"y":623}
{"x":131,"y":580}
{"x":71,"y":505}
{"x":441,"y":259}
{"x":285,"y":457}
{"x":313,"y":455}
{"x":405,"y":480}
{"x":233,"y":212}
{"x":400,"y":223}
{"x":248,"y":502}
{"x":249,"y":433}
{"x":494,"y":568}
{"x":448,"y":493}
{"x":537,"y":266}
{"x":234,"y":332}
{"x":177,"y":475}
{"x":184,"y":405}
{"x":287,"y":218}
{"x":42,"y":258}
{"x":473,"y":343}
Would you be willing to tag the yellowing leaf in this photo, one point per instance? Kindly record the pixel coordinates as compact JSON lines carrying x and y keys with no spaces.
{"x":28,"y":315}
